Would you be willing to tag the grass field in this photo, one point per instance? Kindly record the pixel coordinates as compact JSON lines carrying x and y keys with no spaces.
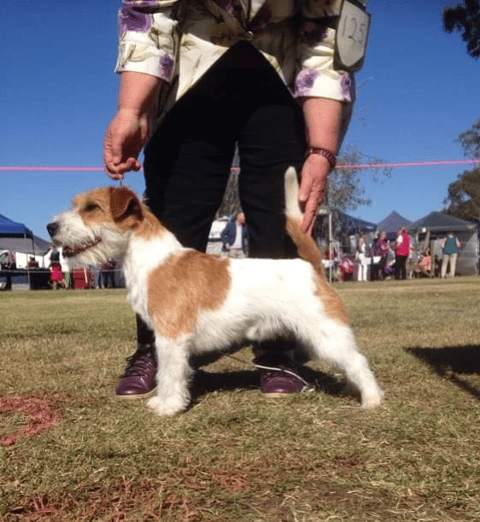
{"x":69,"y":451}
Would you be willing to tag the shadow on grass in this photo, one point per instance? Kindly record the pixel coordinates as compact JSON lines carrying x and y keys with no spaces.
{"x":209,"y":381}
{"x":451,"y":361}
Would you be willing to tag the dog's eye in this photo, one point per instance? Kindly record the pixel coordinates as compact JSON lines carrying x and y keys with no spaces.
{"x":90,"y":207}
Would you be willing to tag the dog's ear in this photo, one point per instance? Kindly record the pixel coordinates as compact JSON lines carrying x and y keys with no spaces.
{"x":124,"y":203}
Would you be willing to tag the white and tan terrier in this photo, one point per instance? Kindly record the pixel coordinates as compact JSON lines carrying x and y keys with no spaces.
{"x":198,"y":303}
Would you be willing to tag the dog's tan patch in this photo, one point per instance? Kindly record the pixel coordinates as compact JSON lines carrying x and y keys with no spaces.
{"x":331,"y":300}
{"x":148,"y":227}
{"x":128,"y":212}
{"x":308,"y":250}
{"x":119,"y":206}
{"x":93,"y":206}
{"x":182,"y":287}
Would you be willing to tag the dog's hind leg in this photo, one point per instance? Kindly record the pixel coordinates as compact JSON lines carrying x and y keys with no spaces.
{"x":173,"y":376}
{"x":334,"y":343}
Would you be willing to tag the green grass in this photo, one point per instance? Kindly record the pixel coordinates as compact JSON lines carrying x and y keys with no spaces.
{"x":236,"y":455}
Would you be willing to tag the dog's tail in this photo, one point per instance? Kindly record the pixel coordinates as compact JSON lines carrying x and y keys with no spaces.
{"x":306,"y":246}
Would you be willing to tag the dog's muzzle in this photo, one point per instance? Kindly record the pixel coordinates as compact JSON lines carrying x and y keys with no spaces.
{"x":74,"y":250}
{"x":71,"y":251}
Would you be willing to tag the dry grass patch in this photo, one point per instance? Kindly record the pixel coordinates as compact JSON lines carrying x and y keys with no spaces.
{"x":236,"y":456}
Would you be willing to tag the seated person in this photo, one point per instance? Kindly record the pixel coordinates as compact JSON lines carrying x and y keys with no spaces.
{"x":424,"y":265}
{"x":327,"y":255}
{"x":346,"y":268}
{"x":32,"y":262}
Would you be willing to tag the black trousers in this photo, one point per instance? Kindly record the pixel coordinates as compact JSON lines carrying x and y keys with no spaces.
{"x":401,"y":267}
{"x":240,"y":100}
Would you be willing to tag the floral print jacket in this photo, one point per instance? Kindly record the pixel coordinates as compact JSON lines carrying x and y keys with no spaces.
{"x":178,"y":41}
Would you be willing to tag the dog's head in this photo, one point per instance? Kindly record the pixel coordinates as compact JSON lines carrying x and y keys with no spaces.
{"x":99,"y":225}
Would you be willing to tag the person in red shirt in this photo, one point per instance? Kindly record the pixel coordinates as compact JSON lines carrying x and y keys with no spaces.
{"x":402,"y":251}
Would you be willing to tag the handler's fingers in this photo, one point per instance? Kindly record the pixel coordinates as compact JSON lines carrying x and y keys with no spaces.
{"x":312,"y":189}
{"x":115,"y":164}
{"x":310,"y":211}
{"x":123,"y":141}
{"x":117,"y":172}
{"x":111,"y":156}
{"x":310,"y":199}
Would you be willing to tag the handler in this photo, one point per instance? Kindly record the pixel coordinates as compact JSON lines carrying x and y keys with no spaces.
{"x":198,"y":78}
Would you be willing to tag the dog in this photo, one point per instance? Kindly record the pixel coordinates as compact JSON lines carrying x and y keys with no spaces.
{"x":198,"y":303}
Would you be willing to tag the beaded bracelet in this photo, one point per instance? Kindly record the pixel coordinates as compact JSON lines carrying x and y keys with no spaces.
{"x":330,"y":156}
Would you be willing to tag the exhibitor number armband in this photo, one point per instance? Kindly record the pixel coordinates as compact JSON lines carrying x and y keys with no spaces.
{"x":351,"y":36}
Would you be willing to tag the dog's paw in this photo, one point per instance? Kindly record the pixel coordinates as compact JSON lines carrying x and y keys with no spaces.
{"x":165,"y":407}
{"x":371,"y":401}
{"x":371,"y":395}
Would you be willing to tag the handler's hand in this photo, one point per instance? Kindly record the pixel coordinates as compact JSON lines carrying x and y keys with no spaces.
{"x":312,"y":188}
{"x":124,"y":140}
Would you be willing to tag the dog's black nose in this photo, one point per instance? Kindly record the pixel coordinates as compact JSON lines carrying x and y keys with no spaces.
{"x":52,"y":228}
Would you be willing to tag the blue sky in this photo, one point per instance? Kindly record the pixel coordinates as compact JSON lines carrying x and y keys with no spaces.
{"x":417,"y":92}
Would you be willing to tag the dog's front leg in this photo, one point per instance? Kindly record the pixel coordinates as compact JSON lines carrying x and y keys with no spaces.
{"x":173,"y":376}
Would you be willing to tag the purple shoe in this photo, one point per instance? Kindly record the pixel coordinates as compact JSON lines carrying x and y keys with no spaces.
{"x":138,"y":379}
{"x":280,"y":382}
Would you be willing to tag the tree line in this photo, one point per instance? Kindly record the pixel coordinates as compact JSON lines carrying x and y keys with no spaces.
{"x":463,"y":199}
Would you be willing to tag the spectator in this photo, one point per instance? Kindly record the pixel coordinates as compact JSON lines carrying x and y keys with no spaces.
{"x":8,"y":266}
{"x":32,"y":262}
{"x":423,"y":268}
{"x":57,"y":277}
{"x":107,"y":274}
{"x":402,"y":252}
{"x":330,"y":255}
{"x":235,"y":236}
{"x":450,"y":247}
{"x":362,"y":257}
{"x":346,"y":268}
{"x":380,"y":250}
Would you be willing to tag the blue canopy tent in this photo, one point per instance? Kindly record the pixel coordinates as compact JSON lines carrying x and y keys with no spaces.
{"x":16,"y":237}
{"x":353,"y":225}
{"x":13,"y":229}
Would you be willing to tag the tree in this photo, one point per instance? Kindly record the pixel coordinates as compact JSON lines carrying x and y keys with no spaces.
{"x":463,"y":198}
{"x":464,"y":195}
{"x":231,"y":200}
{"x":465,"y":18}
{"x":344,"y":191}
{"x":470,"y":140}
